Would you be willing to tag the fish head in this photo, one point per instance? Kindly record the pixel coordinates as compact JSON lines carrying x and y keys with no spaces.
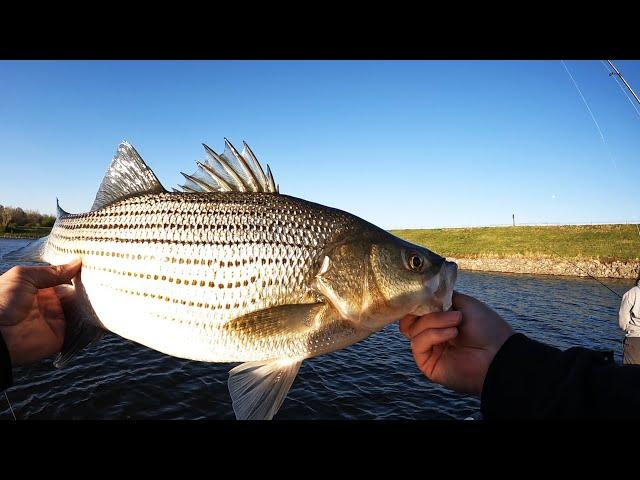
{"x":407,"y":279}
{"x":378,"y":279}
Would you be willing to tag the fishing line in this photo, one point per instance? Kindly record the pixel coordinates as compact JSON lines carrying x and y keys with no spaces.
{"x":614,"y":75}
{"x":590,"y":113}
{"x":588,"y":274}
{"x":10,"y":407}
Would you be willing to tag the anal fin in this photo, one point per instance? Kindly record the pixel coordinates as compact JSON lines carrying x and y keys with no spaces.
{"x":82,"y":325}
{"x":258,"y":388}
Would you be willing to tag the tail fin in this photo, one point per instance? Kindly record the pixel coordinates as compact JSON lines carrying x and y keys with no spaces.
{"x":32,"y":252}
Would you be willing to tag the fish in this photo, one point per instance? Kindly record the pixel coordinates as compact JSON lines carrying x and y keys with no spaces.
{"x":227,"y":269}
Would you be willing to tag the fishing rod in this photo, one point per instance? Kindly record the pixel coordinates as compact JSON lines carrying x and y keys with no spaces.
{"x":626,"y":84}
{"x":590,"y":276}
{"x":617,"y":72}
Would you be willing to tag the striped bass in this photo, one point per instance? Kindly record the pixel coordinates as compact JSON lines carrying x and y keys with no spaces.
{"x":228,"y":269}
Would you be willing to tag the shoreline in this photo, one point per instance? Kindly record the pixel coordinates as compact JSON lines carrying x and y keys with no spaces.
{"x":13,"y":236}
{"x":625,"y":269}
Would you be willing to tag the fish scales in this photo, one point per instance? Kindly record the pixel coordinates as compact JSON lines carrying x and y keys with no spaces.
{"x":187,"y":264}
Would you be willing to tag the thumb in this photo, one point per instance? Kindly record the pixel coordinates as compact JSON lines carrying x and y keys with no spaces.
{"x":459,"y":300}
{"x":50,"y":276}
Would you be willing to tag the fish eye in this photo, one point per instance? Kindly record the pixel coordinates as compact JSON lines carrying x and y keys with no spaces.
{"x":415,"y":262}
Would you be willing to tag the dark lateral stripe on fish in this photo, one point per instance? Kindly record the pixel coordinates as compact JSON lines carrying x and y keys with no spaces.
{"x":192,"y":239}
{"x":175,"y":201}
{"x":179,"y":260}
{"x":194,"y":282}
{"x":98,"y":215}
{"x":188,"y":303}
{"x":155,"y":224}
{"x":124,"y":240}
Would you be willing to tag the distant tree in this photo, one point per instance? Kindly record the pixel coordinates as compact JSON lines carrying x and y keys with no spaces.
{"x":19,"y":217}
{"x":30,"y":218}
{"x":11,"y":218}
{"x":5,"y":216}
{"x":47,"y":221}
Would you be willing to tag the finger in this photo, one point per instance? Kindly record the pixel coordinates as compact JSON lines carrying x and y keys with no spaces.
{"x":50,"y":276}
{"x":450,"y":318}
{"x":423,"y":343}
{"x":427,"y":361}
{"x":405,"y":324}
{"x":460,"y":301}
{"x":51,"y":311}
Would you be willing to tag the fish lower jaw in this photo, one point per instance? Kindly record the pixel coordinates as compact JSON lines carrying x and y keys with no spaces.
{"x":440,"y":305}
{"x":446,"y":305}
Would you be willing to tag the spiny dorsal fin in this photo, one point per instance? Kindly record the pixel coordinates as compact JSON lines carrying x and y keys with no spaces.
{"x":127,"y":176}
{"x":230,"y":172}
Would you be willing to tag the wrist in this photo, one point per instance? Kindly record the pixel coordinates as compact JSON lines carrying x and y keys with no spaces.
{"x":6,"y":373}
{"x":492,"y":353}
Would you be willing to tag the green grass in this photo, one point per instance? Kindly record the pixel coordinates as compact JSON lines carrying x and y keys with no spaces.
{"x":25,"y":232}
{"x":603,"y":242}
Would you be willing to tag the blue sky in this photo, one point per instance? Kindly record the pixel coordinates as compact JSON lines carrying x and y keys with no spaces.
{"x":401,"y":144}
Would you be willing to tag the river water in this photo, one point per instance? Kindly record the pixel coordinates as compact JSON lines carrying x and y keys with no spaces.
{"x":374,"y":379}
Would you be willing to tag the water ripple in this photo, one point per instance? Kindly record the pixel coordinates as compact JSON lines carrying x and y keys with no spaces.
{"x":375,"y":379}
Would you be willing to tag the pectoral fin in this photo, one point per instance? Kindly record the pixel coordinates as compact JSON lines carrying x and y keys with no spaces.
{"x":258,"y":388}
{"x":281,"y":320}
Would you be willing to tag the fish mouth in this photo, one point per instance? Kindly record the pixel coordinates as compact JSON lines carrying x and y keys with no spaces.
{"x":440,"y":289}
{"x":449,"y":275}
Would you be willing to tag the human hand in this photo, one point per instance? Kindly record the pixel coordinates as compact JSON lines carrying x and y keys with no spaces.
{"x":456,"y":348}
{"x":32,"y":321}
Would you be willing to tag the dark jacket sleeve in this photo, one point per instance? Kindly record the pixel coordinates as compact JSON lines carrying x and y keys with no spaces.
{"x":530,"y":380}
{"x":6,"y":375}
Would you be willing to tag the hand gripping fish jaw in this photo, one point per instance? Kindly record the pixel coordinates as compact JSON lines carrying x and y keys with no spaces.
{"x":376,"y":281}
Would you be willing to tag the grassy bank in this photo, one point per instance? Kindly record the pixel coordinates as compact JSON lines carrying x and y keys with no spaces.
{"x":606,"y":243}
{"x":25,"y":232}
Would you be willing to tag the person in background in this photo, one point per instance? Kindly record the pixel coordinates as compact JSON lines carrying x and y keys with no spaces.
{"x":629,"y":321}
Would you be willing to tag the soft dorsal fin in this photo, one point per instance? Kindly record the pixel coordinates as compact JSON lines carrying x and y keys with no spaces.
{"x":60,"y":212}
{"x":127,"y":176}
{"x":230,"y":171}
